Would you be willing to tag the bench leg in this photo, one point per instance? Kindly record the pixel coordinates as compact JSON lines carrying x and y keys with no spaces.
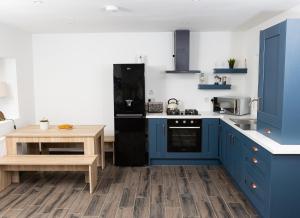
{"x":15,"y":177}
{"x":5,"y":179}
{"x":102,"y":151}
{"x":87,"y":177}
{"x":93,"y":176}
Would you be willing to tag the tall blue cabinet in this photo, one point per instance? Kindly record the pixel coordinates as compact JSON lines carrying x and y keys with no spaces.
{"x":279,"y":78}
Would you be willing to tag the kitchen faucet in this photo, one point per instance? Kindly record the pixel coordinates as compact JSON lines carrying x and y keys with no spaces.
{"x":253,"y":100}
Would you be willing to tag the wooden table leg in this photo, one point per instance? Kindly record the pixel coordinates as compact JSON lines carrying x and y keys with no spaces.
{"x":5,"y":179}
{"x":95,"y":146}
{"x":12,"y":149}
{"x":11,"y":146}
{"x":93,"y":177}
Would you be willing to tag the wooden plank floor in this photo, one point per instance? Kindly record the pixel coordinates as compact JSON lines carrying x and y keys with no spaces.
{"x":162,"y":191}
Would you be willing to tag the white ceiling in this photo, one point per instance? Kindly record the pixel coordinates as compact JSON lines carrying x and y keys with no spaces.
{"x":59,"y":16}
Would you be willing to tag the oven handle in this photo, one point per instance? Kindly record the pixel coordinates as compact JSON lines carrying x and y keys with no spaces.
{"x":184,"y":127}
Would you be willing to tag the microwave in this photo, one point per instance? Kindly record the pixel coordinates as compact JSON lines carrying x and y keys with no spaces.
{"x":232,"y":105}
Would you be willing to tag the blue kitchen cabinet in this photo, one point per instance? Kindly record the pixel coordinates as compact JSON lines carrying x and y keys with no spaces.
{"x":270,"y":182}
{"x":210,"y":138}
{"x":224,"y":149}
{"x":157,"y":136}
{"x":279,"y":78}
{"x":237,"y":152}
{"x":231,"y":152}
{"x":159,"y":155}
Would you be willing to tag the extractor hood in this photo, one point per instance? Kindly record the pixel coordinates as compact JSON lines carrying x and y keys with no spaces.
{"x":182,"y":52}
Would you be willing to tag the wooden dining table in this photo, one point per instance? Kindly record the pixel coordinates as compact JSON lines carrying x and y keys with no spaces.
{"x":91,"y":137}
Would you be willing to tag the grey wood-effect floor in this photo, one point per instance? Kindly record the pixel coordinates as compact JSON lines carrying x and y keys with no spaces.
{"x":163,"y":191}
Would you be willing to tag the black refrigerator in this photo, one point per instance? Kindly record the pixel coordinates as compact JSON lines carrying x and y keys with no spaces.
{"x":129,"y":114}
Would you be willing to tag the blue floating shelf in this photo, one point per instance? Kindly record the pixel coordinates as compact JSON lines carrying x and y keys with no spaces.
{"x":213,"y":86}
{"x":228,"y":70}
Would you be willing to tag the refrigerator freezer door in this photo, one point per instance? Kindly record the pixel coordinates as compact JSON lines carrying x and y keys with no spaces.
{"x":130,"y":140}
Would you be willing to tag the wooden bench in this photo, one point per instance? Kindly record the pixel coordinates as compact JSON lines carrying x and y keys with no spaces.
{"x":109,"y":145}
{"x":16,"y":163}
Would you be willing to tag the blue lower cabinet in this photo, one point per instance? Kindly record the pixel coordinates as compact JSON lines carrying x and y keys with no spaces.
{"x":158,"y":154}
{"x":284,"y":187}
{"x":270,"y":182}
{"x":231,"y":152}
{"x":224,"y":146}
{"x":157,"y":138}
{"x":238,"y":170}
{"x":210,"y":138}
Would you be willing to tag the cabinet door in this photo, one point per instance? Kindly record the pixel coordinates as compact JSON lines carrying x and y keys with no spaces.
{"x":231,"y":153}
{"x":225,"y":149}
{"x":237,"y":159}
{"x":210,"y":137}
{"x":157,"y":137}
{"x":271,"y":71}
{"x":222,"y":143}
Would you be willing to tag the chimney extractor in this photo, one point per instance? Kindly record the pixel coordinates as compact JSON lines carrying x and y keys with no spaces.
{"x":182,"y":52}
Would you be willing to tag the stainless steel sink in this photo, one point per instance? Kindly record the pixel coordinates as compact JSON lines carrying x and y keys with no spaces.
{"x":245,"y":124}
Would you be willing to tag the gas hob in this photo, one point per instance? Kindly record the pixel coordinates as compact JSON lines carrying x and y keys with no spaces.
{"x":183,"y":113}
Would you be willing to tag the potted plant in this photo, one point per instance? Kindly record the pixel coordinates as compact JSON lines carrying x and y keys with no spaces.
{"x":231,"y":63}
{"x":44,"y":124}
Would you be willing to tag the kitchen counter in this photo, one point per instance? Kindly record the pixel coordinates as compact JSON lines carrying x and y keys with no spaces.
{"x":267,"y":143}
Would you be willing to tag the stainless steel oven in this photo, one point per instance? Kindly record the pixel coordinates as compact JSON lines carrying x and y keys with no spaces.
{"x":184,"y":135}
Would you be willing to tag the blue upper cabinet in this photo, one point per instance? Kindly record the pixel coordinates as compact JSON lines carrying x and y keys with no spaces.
{"x":272,"y":43}
{"x":278,"y":114}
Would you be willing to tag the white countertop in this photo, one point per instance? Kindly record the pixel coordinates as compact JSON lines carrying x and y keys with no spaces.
{"x":267,"y":143}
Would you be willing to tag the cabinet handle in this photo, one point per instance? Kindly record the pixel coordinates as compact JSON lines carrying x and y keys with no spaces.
{"x":254,"y":160}
{"x":255,"y":149}
{"x":253,"y":185}
{"x":164,"y":129}
{"x":267,"y":131}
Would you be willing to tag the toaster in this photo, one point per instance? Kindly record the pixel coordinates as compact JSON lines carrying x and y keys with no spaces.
{"x":155,"y":107}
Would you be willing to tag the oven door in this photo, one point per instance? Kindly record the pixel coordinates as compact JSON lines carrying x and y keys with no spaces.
{"x":184,"y":135}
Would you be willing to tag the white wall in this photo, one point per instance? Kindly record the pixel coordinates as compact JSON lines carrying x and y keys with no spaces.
{"x":73,"y":72}
{"x":8,"y":74}
{"x":17,"y":45}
